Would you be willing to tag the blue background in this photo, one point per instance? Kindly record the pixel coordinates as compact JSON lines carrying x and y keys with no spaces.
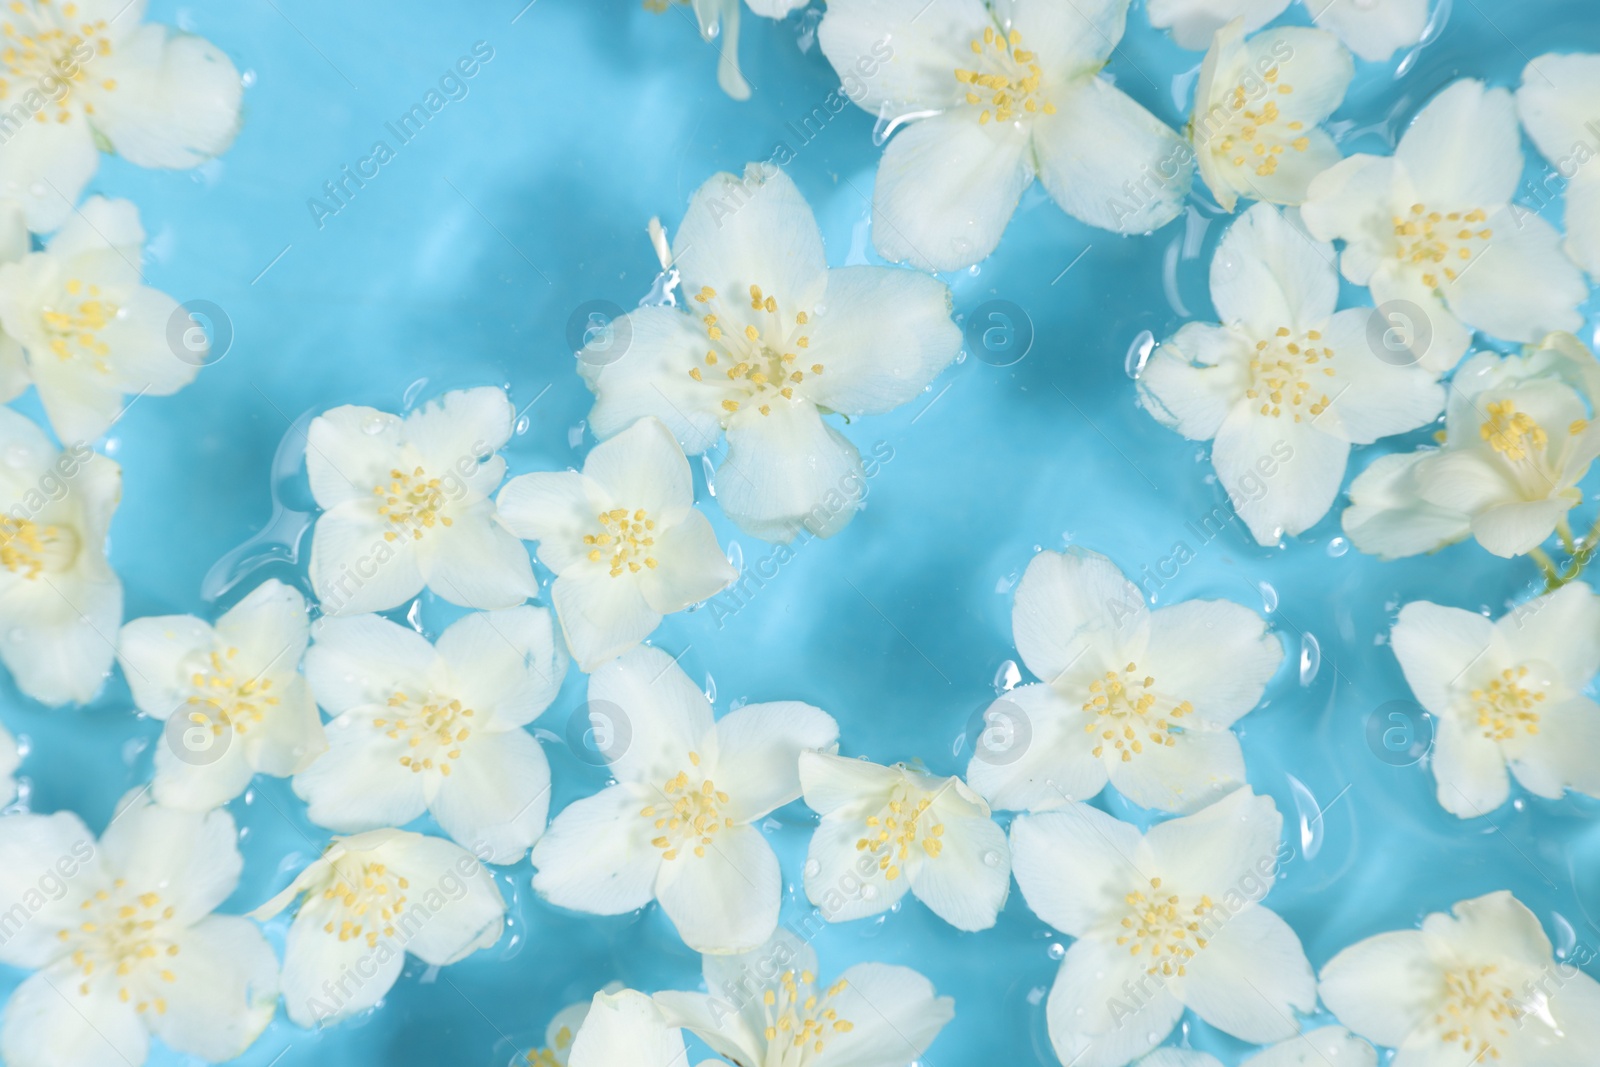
{"x":461,"y":264}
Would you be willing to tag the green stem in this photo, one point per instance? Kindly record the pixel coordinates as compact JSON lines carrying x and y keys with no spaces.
{"x":1552,"y":578}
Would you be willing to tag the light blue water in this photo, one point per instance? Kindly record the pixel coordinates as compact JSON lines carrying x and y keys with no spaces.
{"x":461,"y":263}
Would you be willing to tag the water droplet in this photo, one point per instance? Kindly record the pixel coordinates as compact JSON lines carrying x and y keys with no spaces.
{"x":1139,"y":353}
{"x":412,"y":392}
{"x":1269,"y":597}
{"x":991,"y":858}
{"x":869,"y":892}
{"x":575,"y":435}
{"x":1338,"y":547}
{"x":710,"y":473}
{"x":374,"y":424}
{"x":1310,"y":658}
{"x":523,"y":424}
{"x":736,"y":556}
{"x":1007,"y":676}
{"x":974,"y":270}
{"x":1056,"y":950}
{"x":812,"y":867}
{"x":711,"y":688}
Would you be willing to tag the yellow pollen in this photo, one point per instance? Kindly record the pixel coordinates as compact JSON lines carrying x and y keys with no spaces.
{"x":1126,"y":716}
{"x":1512,"y":433}
{"x":411,"y":503}
{"x":1506,"y":707}
{"x":1010,"y":86}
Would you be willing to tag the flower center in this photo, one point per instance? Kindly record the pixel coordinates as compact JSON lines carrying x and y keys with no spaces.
{"x":1282,"y":370}
{"x":228,"y":701}
{"x":796,"y":1015}
{"x":1514,"y":434}
{"x":28,"y":549}
{"x":556,"y":1054}
{"x":1505,"y":706}
{"x":1259,"y":136}
{"x":413,"y":501}
{"x":1125,"y":716}
{"x":74,"y":327}
{"x":123,"y":935}
{"x":433,"y":732}
{"x":690,"y":815}
{"x":362,"y":900}
{"x":1426,"y":239}
{"x":1476,"y":1004}
{"x":627,"y":537}
{"x":1010,"y":85}
{"x":1160,"y":928}
{"x":41,"y":52}
{"x":755,"y":362}
{"x":903,"y":824}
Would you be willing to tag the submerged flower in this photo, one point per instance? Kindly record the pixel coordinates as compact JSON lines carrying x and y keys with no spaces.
{"x":769,"y":1008}
{"x":623,"y":1029}
{"x":242,"y":707}
{"x":60,"y":601}
{"x":1258,"y":107}
{"x":1372,"y":29}
{"x":1476,"y":986}
{"x":79,"y":76}
{"x":773,"y":341}
{"x":435,"y":728}
{"x":1285,"y":384}
{"x":406,"y":504}
{"x":994,"y":95}
{"x":1518,"y":439}
{"x":368,"y":901}
{"x":719,"y":25}
{"x":1327,"y":1046}
{"x":677,"y":825}
{"x":1508,"y":692}
{"x":1432,"y":231}
{"x":1557,"y":105}
{"x":1142,"y":698}
{"x":1164,"y":920}
{"x":623,"y":537}
{"x":87,"y":332}
{"x":122,"y":941}
{"x":563,"y":1028}
{"x":899,"y":829}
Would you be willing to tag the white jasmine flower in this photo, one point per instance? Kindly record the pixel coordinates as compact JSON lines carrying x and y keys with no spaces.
{"x":81,"y":76}
{"x":623,"y":537}
{"x":1434,"y":226}
{"x":406,"y":504}
{"x":775,"y":341}
{"x":1476,"y":986}
{"x":1141,"y":698}
{"x":1508,"y":692}
{"x":677,"y":825}
{"x":1258,"y":109}
{"x":624,"y":1027}
{"x":1518,"y":439}
{"x":1557,"y":105}
{"x":60,"y":601}
{"x":122,"y":941}
{"x":899,"y":829}
{"x":242,"y":707}
{"x":1372,"y":29}
{"x":10,"y":760}
{"x":1164,"y":920}
{"x":996,"y":94}
{"x":435,"y":728}
{"x":368,"y":901}
{"x":719,"y":25}
{"x":1285,"y":384}
{"x":769,"y":1008}
{"x":564,"y":1027}
{"x":86,"y":332}
{"x":1327,"y":1046}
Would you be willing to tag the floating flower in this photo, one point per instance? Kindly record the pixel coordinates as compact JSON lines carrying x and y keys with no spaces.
{"x":435,"y":728}
{"x":1258,"y":109}
{"x":995,"y":95}
{"x":242,"y":707}
{"x":1285,"y":384}
{"x":60,"y":601}
{"x":559,"y":1035}
{"x":1372,"y":29}
{"x":623,"y":537}
{"x":368,"y":901}
{"x":86,"y":332}
{"x":406,"y":504}
{"x":1141,"y":698}
{"x":719,"y":26}
{"x":899,"y":829}
{"x":676,"y":827}
{"x":10,"y":760}
{"x":776,"y":340}
{"x":767,"y":1008}
{"x":1557,"y":106}
{"x":1165,"y":920}
{"x":1432,"y":231}
{"x":1476,"y":986}
{"x":1328,"y":1046}
{"x":1518,"y":439}
{"x":122,"y":941}
{"x":625,"y":1027}
{"x":86,"y":75}
{"x":1508,"y":692}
